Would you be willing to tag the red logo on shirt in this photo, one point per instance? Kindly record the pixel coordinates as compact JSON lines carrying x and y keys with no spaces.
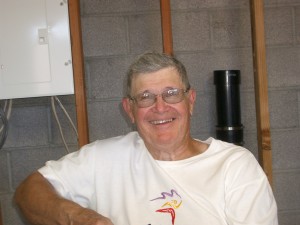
{"x":172,"y":201}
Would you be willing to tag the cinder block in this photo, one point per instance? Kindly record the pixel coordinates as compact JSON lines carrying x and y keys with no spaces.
{"x":285,"y":149}
{"x":26,"y":161}
{"x":199,"y":70}
{"x":297,"y":23}
{"x":201,"y":65}
{"x":37,"y":101}
{"x":28,"y":126}
{"x":278,"y":25}
{"x":248,"y":111}
{"x":299,"y":108}
{"x":191,"y":31}
{"x":286,"y":189}
{"x":145,"y":33}
{"x":235,"y":59}
{"x":196,"y":4}
{"x":231,"y":28}
{"x":123,"y":6}
{"x":107,"y":77}
{"x":4,"y":177}
{"x":107,"y":119}
{"x":283,"y":67}
{"x":104,"y":35}
{"x":291,"y":217}
{"x":67,"y":129}
{"x":281,"y":2}
{"x":250,"y":142}
{"x":204,"y":116}
{"x":9,"y":212}
{"x":283,"y":107}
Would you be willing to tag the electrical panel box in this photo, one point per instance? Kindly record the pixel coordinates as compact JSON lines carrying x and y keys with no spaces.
{"x":35,"y":49}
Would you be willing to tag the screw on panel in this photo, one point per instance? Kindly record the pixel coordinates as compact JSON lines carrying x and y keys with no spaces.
{"x":63,"y":2}
{"x":68,"y":62}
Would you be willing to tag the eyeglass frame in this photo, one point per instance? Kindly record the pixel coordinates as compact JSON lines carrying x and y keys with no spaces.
{"x":154,"y":98}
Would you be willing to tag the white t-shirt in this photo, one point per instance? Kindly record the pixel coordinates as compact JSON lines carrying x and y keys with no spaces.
{"x":118,"y":178}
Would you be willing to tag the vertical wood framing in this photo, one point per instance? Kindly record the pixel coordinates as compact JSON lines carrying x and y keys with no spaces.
{"x":78,"y":69}
{"x":166,"y":24}
{"x":261,"y":87}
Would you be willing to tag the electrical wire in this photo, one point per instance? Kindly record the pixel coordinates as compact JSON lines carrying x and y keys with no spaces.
{"x":7,"y":110}
{"x":4,"y":130}
{"x":5,"y":114}
{"x":53,"y":99}
{"x":67,"y":115}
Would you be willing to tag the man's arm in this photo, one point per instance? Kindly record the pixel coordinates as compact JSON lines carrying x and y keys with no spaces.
{"x":40,"y":204}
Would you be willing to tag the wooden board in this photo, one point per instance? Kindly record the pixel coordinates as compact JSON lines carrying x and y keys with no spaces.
{"x":166,"y":25}
{"x":78,"y":68}
{"x":261,"y":86}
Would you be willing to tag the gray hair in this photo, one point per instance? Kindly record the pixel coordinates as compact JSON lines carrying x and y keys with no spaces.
{"x":152,"y":62}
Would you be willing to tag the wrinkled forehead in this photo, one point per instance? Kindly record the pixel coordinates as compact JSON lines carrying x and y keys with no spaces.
{"x":158,"y":80}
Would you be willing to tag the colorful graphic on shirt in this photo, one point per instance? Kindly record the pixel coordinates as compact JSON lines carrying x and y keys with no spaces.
{"x":172,"y":201}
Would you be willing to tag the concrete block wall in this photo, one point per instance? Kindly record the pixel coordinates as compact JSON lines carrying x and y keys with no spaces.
{"x":207,"y":36}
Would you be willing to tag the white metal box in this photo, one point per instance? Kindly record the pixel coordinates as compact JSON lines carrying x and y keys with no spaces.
{"x":35,"y":49}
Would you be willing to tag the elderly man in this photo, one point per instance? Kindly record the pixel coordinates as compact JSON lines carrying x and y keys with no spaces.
{"x":157,"y":175}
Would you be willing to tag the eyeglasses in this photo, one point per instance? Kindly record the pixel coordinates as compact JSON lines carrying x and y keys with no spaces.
{"x":171,"y":96}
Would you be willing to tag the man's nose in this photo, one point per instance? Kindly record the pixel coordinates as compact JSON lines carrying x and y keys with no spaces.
{"x":160,"y":103}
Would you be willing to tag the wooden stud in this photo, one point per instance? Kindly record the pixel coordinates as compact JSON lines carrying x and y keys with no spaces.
{"x":78,"y":69}
{"x":165,"y":10}
{"x":261,"y":87}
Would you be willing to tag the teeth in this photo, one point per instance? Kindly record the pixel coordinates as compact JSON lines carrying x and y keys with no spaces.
{"x":155,"y":122}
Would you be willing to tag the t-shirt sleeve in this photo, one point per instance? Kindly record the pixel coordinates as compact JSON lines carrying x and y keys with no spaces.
{"x":249,"y":197}
{"x":72,"y":176}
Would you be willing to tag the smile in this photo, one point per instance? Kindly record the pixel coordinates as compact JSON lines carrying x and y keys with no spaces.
{"x":157,"y":122}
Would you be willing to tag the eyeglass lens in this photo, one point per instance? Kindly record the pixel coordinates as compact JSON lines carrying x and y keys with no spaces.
{"x":171,"y":96}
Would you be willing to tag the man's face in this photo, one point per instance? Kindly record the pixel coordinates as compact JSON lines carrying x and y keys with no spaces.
{"x":161,"y":124}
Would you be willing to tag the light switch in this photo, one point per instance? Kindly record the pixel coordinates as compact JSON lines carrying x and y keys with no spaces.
{"x":43,"y":36}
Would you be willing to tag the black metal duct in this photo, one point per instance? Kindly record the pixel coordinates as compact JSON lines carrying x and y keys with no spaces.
{"x":229,"y":127}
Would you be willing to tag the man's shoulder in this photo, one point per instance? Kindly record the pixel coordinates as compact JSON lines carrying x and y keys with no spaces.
{"x":121,"y":143}
{"x":227,"y":150}
{"x":129,"y":138}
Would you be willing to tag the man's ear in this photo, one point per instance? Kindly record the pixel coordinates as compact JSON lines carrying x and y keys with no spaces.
{"x":192,"y":100}
{"x":128,"y":107}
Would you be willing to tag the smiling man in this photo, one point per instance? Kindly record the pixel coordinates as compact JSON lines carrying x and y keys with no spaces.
{"x":161,"y":103}
{"x":156,"y":175}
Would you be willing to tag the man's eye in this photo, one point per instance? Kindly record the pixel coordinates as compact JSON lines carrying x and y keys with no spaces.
{"x":172,"y":92}
{"x":145,"y":96}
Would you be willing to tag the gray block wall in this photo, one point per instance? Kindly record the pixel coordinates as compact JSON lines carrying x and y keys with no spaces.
{"x":207,"y":36}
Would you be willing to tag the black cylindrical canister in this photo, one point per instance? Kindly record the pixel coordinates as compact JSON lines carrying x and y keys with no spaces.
{"x":229,"y":127}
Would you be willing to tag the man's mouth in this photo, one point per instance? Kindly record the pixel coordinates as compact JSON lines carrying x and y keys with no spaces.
{"x":158,"y":122}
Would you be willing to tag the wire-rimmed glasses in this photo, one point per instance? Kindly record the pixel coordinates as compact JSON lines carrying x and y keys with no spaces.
{"x":170,"y":96}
